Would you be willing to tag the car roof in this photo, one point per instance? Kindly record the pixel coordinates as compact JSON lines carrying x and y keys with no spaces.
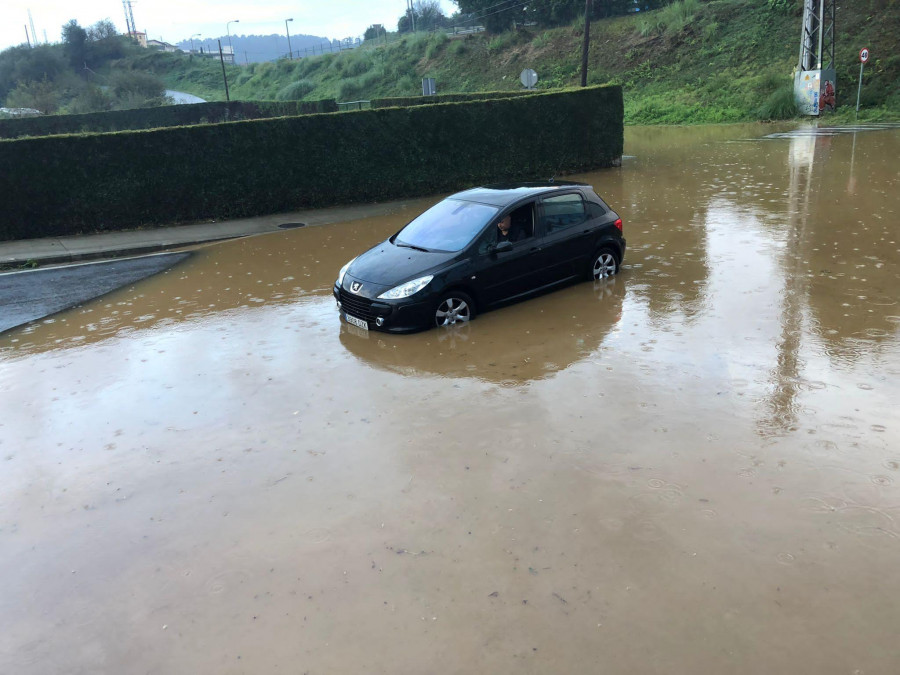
{"x":504,"y":194}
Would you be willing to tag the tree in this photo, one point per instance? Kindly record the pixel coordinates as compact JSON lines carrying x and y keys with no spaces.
{"x":429,"y":15}
{"x":495,"y":15}
{"x":41,"y":95}
{"x":425,"y":15}
{"x":102,"y":30}
{"x":104,"y":43}
{"x":21,"y":64}
{"x":498,"y":15}
{"x":74,"y":43}
{"x":376,"y":30}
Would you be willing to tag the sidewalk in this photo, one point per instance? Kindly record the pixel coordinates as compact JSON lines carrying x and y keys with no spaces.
{"x":134,"y":242}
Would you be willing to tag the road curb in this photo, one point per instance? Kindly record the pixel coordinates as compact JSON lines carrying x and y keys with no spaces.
{"x":58,"y":258}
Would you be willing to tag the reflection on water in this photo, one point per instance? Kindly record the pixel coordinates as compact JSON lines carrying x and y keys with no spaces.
{"x":211,"y":457}
{"x":511,"y":346}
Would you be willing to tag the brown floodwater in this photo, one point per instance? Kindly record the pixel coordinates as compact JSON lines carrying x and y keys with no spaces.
{"x":691,"y":468}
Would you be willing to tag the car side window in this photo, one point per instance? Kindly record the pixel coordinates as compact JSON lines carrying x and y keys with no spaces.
{"x":522,"y":222}
{"x":521,"y":227}
{"x":563,"y":211}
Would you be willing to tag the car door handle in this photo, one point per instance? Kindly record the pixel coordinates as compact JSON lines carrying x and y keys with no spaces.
{"x":534,"y":248}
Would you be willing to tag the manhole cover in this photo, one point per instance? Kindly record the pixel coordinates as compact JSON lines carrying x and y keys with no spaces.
{"x":291,"y":226}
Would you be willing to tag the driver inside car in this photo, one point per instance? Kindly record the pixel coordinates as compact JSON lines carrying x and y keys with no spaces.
{"x":510,"y":229}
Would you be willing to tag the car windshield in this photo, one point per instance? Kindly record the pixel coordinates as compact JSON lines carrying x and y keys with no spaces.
{"x":449,"y":225}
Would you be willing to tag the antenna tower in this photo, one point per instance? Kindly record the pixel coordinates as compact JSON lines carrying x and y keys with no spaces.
{"x":33,"y":33}
{"x":129,"y":17}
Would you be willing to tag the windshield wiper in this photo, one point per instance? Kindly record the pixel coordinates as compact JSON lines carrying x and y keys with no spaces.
{"x":404,"y":245}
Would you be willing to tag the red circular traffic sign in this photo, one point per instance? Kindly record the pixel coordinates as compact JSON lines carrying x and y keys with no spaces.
{"x":863,"y":55}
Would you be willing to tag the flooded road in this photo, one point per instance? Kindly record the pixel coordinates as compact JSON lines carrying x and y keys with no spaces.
{"x":692,"y":467}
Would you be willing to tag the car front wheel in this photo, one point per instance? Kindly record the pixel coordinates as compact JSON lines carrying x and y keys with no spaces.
{"x":603,"y":264}
{"x":454,"y":307}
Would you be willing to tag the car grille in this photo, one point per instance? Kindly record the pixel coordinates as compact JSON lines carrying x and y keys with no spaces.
{"x":359,"y":307}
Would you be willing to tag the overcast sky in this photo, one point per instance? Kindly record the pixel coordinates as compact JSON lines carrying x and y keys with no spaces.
{"x":175,"y":20}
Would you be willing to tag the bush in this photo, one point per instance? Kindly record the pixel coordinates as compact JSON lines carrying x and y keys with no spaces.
{"x":41,"y":95}
{"x":137,"y":84}
{"x":356,"y":65}
{"x":68,"y":184}
{"x":295,"y":90}
{"x":541,"y":40}
{"x":435,"y":45}
{"x":780,"y":105}
{"x":90,"y":99}
{"x":457,"y":48}
{"x":671,"y":18}
{"x":785,"y":6}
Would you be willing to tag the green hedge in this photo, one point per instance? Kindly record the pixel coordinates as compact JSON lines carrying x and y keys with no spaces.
{"x":407,"y":101}
{"x":163,"y":116}
{"x":59,"y":185}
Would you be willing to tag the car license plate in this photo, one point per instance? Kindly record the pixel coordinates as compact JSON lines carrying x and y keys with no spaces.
{"x":359,"y":323}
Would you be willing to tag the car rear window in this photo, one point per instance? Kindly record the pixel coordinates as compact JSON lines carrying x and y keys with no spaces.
{"x":449,"y":225}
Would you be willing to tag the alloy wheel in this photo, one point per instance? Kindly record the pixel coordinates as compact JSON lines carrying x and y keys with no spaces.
{"x":451,"y":311}
{"x":604,"y":265}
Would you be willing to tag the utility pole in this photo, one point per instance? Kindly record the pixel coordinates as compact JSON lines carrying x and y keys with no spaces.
{"x":224,"y":77}
{"x":587,"y":42}
{"x":815,"y":77}
{"x":27,"y":37}
{"x":231,"y":46}
{"x":412,"y":15}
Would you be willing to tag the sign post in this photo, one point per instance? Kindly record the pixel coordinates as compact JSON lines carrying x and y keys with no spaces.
{"x":863,"y":57}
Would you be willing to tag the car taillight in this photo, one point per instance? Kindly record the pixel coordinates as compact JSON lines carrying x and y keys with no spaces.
{"x":618,"y":224}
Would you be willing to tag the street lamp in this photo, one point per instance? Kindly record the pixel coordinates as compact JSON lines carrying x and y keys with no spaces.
{"x":227,"y":24}
{"x":192,"y":41}
{"x":290,"y":52}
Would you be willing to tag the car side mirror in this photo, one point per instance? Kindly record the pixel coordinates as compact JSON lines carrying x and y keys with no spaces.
{"x":503,"y":247}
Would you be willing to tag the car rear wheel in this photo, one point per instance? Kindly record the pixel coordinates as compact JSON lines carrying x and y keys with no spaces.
{"x":604,"y":264}
{"x":454,"y":307}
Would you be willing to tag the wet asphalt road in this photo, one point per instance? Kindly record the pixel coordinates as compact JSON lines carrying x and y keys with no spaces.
{"x":34,"y":294}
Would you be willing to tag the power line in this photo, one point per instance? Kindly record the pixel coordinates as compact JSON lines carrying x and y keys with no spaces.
{"x":475,"y":15}
{"x":484,"y":9}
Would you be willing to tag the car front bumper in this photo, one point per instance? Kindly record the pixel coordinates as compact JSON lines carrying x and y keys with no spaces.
{"x":391,"y":316}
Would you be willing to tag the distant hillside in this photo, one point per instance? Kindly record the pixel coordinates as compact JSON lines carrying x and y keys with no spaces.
{"x":262,"y":48}
{"x":690,"y":62}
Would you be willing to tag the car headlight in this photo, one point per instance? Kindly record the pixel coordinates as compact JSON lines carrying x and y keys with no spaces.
{"x":407,"y":289}
{"x":340,"y":279}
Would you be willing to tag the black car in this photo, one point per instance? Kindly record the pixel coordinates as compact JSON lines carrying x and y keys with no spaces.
{"x":453,"y":260}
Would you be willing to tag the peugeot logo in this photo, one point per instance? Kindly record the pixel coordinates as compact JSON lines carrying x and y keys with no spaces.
{"x":355,"y":286}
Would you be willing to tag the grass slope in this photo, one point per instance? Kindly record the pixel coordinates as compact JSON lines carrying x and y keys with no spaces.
{"x":691,"y":62}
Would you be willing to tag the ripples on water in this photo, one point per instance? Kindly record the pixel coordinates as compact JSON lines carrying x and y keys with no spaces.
{"x":722,"y":415}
